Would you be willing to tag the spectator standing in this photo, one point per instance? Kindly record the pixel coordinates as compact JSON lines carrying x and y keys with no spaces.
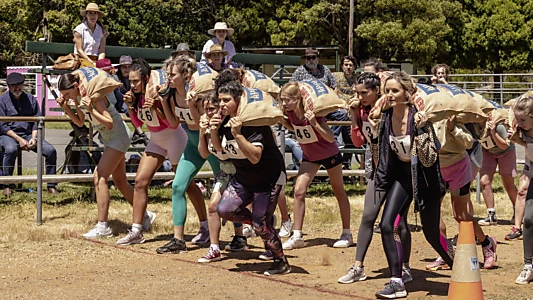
{"x":346,"y":79}
{"x":440,"y":73}
{"x":220,"y":32}
{"x":23,"y":135}
{"x":90,"y":36}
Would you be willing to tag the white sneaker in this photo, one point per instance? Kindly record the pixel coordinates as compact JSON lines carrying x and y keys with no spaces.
{"x":248,"y":231}
{"x":293,"y":243}
{"x":525,"y":276}
{"x":132,"y":238}
{"x":148,"y":220}
{"x":286,"y":228}
{"x":354,"y":274}
{"x":98,"y":232}
{"x":345,"y":241}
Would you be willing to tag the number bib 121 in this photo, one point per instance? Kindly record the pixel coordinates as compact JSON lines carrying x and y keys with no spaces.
{"x":148,"y":116}
{"x":305,"y":134}
{"x":369,"y":131}
{"x":233,"y":151}
{"x":184,"y":114}
{"x":487,"y":143}
{"x":401,"y":145}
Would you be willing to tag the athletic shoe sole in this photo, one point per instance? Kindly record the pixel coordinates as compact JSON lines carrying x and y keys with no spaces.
{"x":280,"y":273}
{"x":132,"y":242}
{"x":204,"y":261}
{"x":394,"y":296}
{"x":442,"y":267}
{"x":352,"y":280}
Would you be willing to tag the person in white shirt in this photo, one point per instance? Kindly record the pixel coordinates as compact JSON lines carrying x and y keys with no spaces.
{"x":220,"y":31}
{"x":90,"y":36}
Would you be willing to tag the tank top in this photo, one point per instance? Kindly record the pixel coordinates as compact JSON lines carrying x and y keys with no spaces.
{"x":401,"y":145}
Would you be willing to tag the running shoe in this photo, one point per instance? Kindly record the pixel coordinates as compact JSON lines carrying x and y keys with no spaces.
{"x":174,"y":246}
{"x":489,"y":220}
{"x":525,"y":276}
{"x":345,"y":241}
{"x":211,"y":256}
{"x":293,"y":243}
{"x":238,"y":243}
{"x":202,"y":237}
{"x":354,"y":274}
{"x":98,"y":232}
{"x":392,"y":290}
{"x":148,"y":220}
{"x":131,"y":238}
{"x":278,"y":267}
{"x":438,"y":264}
{"x":406,"y":275}
{"x":377,"y":229}
{"x":489,"y":253}
{"x":286,"y":228}
{"x":248,"y":230}
{"x":267,"y":255}
{"x":515,"y":234}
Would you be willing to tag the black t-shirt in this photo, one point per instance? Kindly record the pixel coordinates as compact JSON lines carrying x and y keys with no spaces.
{"x":254,"y":177}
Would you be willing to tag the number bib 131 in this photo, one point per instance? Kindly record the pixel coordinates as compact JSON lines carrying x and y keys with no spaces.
{"x":148,"y":116}
{"x":233,"y":151}
{"x":305,"y":134}
{"x":487,"y":142}
{"x":369,"y":132}
{"x":401,"y":145}
{"x":184,"y":114}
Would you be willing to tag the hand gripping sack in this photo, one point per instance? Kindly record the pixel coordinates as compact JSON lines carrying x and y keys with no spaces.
{"x":258,"y":108}
{"x":157,"y":79}
{"x":258,"y":80}
{"x":319,"y":98}
{"x":497,"y":116}
{"x":95,"y":83}
{"x":471,"y":111}
{"x":203,"y":80}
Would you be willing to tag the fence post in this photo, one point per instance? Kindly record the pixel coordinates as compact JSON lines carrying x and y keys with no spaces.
{"x":501,"y":89}
{"x":40,"y":126}
{"x":478,"y":188}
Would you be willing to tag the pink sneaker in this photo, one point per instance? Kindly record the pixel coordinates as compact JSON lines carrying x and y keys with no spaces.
{"x":211,"y":256}
{"x":438,"y":264}
{"x":489,"y":253}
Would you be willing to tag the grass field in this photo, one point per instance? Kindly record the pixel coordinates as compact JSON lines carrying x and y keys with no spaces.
{"x":50,"y":261}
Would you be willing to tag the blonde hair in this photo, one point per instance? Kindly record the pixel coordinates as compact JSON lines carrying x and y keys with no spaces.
{"x":405,"y":81}
{"x":184,"y":64}
{"x":292,"y":89}
{"x":524,"y":104}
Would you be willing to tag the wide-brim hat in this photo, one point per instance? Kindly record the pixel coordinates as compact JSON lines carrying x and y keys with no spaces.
{"x":104,"y":64}
{"x":310,"y":51}
{"x":125,"y":60}
{"x":216,"y":48}
{"x":221,"y":26}
{"x":92,"y":7}
{"x":182,"y":47}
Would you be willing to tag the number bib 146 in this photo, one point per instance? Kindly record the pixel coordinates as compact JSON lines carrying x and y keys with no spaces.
{"x":487,"y":143}
{"x":233,"y":151}
{"x":401,"y":145}
{"x":184,"y":114}
{"x":369,"y":132}
{"x":148,"y":116}
{"x":305,"y":134}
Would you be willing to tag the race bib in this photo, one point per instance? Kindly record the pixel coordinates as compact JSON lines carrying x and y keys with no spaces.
{"x":487,"y":143}
{"x":88,"y":116}
{"x":305,"y":134}
{"x":401,"y":145}
{"x":233,"y":151}
{"x":184,"y":114}
{"x":148,"y":116}
{"x":529,"y":151}
{"x":222,"y":155}
{"x":369,"y":131}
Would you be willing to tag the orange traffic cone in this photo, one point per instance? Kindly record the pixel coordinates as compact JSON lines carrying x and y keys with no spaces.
{"x":466,"y":280}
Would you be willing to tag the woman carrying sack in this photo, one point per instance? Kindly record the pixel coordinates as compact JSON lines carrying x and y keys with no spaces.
{"x":90,"y":36}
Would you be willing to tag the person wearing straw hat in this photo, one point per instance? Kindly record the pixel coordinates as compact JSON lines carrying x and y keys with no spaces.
{"x":220,"y":32}
{"x":215,"y":58}
{"x":183,"y":49}
{"x":90,"y":36}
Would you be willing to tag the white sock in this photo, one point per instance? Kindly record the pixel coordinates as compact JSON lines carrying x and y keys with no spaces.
{"x":489,"y":210}
{"x":397,"y":280}
{"x":215,"y":247}
{"x":297,"y":234}
{"x":204,"y":225}
{"x":529,"y":266}
{"x":135,"y":228}
{"x":102,"y":224}
{"x":346,"y":231}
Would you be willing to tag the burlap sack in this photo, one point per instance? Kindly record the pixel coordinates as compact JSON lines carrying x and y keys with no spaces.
{"x":258,"y":108}
{"x":157,"y":79}
{"x":319,"y":98}
{"x":485,"y":105}
{"x":95,"y":83}
{"x":470,"y":110}
{"x":203,"y":80}
{"x":497,"y":116}
{"x":258,"y":80}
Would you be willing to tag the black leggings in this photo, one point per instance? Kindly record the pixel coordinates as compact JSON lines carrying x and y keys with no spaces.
{"x":373,"y":202}
{"x":527,"y":229}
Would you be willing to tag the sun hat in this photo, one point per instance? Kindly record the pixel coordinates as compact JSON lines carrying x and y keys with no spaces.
{"x":92,"y":7}
{"x":221,"y":26}
{"x":310,"y":51}
{"x":104,"y":64}
{"x":182,"y":47}
{"x":125,"y":60}
{"x":216,"y":48}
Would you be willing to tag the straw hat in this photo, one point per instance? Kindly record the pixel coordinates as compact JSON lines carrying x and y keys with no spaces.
{"x":216,"y":48}
{"x":92,"y":7}
{"x":221,"y":26}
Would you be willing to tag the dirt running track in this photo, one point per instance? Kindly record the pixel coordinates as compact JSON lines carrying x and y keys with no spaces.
{"x":75,"y":268}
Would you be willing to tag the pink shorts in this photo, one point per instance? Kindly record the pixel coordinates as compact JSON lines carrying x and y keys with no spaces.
{"x":169,"y":143}
{"x":506,"y":163}
{"x":458,"y":175}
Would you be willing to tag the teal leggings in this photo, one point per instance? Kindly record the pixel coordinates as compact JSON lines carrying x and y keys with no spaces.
{"x":190,"y":163}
